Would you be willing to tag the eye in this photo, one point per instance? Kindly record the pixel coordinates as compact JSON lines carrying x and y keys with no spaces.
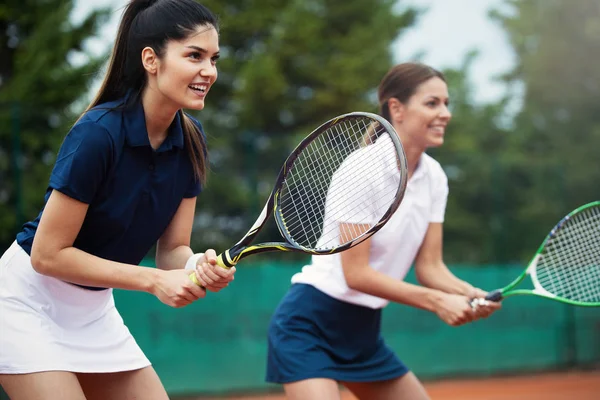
{"x":195,"y":55}
{"x":215,"y":58}
{"x":431,"y":103}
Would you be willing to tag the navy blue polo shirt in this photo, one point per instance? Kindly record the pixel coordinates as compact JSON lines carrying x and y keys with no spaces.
{"x":133,"y":191}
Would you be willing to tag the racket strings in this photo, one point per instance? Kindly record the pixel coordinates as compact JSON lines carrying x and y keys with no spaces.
{"x":570,"y":263}
{"x":342,"y":176}
{"x":322,"y":166}
{"x":337,"y":202}
{"x":342,"y":204}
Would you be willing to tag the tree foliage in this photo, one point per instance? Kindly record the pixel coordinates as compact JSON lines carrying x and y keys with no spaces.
{"x":549,"y":166}
{"x":39,"y":84}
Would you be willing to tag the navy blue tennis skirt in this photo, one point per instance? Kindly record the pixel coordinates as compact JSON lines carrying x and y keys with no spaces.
{"x":313,"y":335}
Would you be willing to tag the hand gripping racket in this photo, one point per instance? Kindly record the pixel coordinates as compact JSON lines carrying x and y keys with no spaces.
{"x":351,"y":170}
{"x":566,"y":266}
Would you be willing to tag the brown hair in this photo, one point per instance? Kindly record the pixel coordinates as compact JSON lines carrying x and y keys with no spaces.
{"x":152,"y":23}
{"x":401,"y":82}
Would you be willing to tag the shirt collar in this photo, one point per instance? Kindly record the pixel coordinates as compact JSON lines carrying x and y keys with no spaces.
{"x":136,"y":134}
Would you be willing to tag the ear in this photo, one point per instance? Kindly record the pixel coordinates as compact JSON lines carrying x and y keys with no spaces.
{"x":149,"y":60}
{"x":396,"y":109}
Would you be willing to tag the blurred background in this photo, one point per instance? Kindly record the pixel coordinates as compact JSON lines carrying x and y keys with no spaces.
{"x":521,"y":152}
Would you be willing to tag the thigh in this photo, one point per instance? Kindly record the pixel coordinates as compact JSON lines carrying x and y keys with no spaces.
{"x":310,"y":389}
{"x":42,"y":385}
{"x":138,"y":384}
{"x":406,"y":387}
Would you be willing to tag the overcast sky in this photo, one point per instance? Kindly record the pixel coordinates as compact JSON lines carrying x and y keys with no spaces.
{"x":443,"y":34}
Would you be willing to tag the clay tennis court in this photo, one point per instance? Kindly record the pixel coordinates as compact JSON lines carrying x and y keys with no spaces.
{"x":555,"y":386}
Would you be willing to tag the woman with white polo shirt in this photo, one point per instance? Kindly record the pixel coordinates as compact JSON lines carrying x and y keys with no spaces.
{"x":326,"y":330}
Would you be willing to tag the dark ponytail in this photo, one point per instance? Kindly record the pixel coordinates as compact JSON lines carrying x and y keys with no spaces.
{"x":152,"y":23}
{"x":114,"y":85}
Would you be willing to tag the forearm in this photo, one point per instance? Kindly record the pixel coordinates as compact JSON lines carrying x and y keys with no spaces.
{"x":174,"y":258}
{"x":439,"y":277}
{"x":76,"y":266}
{"x":377,"y":284}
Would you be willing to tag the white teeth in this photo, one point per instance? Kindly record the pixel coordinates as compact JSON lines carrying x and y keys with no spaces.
{"x":199,"y":87}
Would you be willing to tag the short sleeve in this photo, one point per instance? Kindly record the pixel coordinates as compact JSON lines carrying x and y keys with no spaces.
{"x":439,"y":196}
{"x":193,"y":189}
{"x":82,"y":162}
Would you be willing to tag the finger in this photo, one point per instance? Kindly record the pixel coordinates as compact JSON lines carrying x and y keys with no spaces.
{"x":211,"y":256}
{"x":474,"y":311}
{"x":211,"y":273}
{"x":185,"y":296}
{"x":206,"y":275}
{"x":216,"y":288}
{"x":223,"y":273}
{"x":201,"y":279}
{"x":198,"y":292}
{"x":471,"y":312}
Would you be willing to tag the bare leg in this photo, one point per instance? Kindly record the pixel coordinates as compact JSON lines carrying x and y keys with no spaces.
{"x":140,"y":384}
{"x":310,"y":389}
{"x":406,"y":387}
{"x":42,"y":385}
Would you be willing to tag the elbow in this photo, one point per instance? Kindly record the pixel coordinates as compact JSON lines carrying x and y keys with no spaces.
{"x":41,"y":263}
{"x":424,"y":273}
{"x":354,"y":280}
{"x":161,"y":262}
{"x":423,"y":279}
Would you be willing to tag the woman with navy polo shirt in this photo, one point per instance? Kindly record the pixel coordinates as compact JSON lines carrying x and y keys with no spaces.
{"x":126,"y":178}
{"x":326,"y":330}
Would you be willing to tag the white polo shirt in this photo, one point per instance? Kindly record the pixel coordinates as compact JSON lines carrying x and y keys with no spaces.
{"x":394,"y":247}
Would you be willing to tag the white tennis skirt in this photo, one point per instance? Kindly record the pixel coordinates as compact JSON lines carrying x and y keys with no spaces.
{"x":50,"y":325}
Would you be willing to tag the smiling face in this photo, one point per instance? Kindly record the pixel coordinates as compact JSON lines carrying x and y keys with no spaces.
{"x":422,"y":120}
{"x":187,"y":69}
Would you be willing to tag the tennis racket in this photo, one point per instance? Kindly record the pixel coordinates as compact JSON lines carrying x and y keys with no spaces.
{"x":566,"y":266}
{"x":350,"y":171}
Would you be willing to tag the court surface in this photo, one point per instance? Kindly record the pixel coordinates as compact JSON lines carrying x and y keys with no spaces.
{"x":554,"y":386}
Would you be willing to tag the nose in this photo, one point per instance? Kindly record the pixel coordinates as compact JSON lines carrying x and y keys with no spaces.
{"x":445,"y":112}
{"x":208,"y":69}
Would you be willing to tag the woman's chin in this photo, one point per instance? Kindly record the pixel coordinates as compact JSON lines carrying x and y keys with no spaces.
{"x":195,"y":105}
{"x":437,"y":142}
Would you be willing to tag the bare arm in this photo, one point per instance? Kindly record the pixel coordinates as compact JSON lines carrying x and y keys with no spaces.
{"x":173,"y":251}
{"x":53,"y":253}
{"x":432,"y":272}
{"x":173,"y":248}
{"x":430,"y":268}
{"x":360,"y":276}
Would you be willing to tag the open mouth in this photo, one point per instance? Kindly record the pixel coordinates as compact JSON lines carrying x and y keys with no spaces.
{"x":200,"y":89}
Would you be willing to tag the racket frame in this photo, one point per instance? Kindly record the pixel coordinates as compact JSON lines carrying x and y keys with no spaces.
{"x":244,"y":248}
{"x":531,"y":271}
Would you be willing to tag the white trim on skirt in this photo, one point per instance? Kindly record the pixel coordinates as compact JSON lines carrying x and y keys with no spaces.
{"x":50,"y":325}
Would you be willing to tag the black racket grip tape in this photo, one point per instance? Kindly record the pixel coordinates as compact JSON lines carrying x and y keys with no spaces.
{"x":495,"y":295}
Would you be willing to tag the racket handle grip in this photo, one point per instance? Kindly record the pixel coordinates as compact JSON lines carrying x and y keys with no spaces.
{"x":495,"y":295}
{"x":193,"y":278}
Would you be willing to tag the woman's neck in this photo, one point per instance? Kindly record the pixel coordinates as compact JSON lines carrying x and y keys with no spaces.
{"x":412,"y":151}
{"x":413,"y":155}
{"x":159,"y":116}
